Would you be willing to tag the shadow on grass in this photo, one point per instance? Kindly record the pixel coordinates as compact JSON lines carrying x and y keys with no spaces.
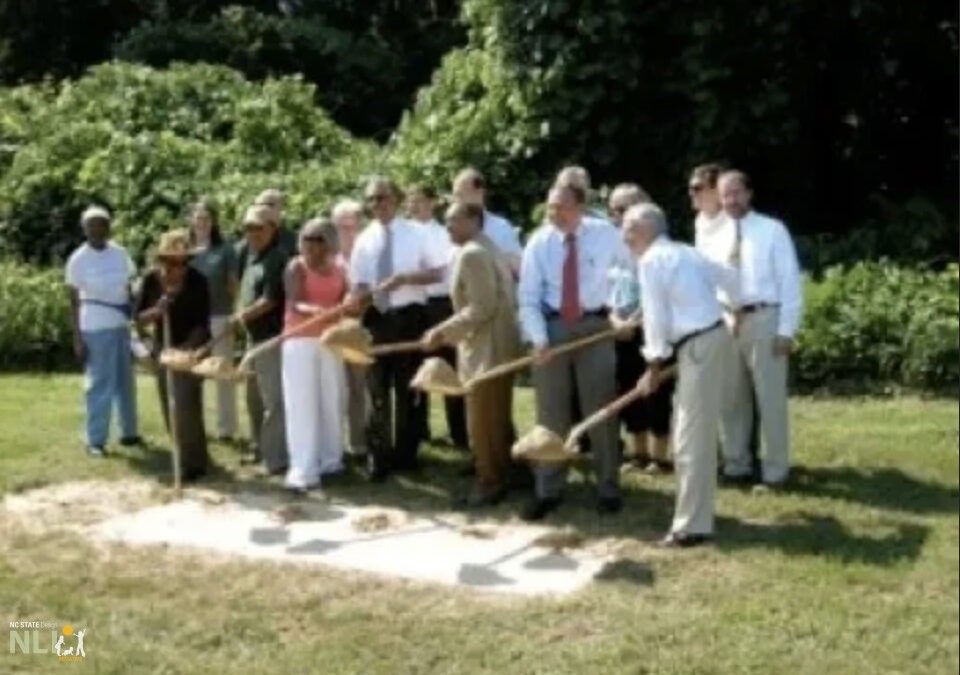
{"x":884,"y":488}
{"x":824,"y":536}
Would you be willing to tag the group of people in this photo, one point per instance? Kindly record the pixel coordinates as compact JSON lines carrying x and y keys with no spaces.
{"x":704,"y":333}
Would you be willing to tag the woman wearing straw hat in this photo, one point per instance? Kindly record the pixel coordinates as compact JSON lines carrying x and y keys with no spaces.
{"x":313,"y":377}
{"x":98,"y":278}
{"x":175,"y":288}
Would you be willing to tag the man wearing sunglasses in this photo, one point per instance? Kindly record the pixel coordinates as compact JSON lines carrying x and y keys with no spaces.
{"x":391,"y":265}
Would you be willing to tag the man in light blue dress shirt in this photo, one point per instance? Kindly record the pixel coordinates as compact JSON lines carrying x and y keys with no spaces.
{"x":563,"y":291}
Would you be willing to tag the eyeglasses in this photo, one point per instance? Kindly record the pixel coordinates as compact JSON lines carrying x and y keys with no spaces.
{"x":618,"y":210}
{"x":696,"y":188}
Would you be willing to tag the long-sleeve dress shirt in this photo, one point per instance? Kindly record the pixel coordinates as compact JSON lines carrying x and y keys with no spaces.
{"x":599,"y":249}
{"x":679,"y":295}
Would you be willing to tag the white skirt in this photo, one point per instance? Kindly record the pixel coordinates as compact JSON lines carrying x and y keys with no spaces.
{"x":313,"y":394}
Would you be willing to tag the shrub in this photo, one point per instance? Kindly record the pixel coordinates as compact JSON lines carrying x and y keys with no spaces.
{"x":146,"y":142}
{"x":34,"y":318}
{"x":878,"y":324}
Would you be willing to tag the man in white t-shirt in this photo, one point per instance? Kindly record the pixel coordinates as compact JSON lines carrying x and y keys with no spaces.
{"x":98,"y":278}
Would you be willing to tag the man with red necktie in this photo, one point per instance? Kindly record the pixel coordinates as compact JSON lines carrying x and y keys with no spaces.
{"x":563,"y":291}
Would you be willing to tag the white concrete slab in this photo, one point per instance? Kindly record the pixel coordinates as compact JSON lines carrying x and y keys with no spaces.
{"x":443,"y":549}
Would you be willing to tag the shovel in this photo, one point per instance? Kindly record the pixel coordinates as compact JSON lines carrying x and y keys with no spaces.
{"x":272,"y":343}
{"x":172,"y":411}
{"x":524,"y":361}
{"x":610,"y":410}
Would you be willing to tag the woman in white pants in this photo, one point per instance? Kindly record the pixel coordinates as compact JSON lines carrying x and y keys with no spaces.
{"x":313,"y":376}
{"x":215,"y":259}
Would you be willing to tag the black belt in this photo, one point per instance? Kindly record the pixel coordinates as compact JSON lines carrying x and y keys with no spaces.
{"x":697,"y":333}
{"x":601,"y":313}
{"x":751,"y":308}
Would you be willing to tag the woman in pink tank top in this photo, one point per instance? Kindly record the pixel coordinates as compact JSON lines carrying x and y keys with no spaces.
{"x":313,"y":377}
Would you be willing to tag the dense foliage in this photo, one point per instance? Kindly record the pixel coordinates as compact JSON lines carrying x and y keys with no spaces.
{"x":173,"y":135}
{"x":367,"y":59}
{"x":881,"y":324}
{"x":34,"y":318}
{"x":845,"y":112}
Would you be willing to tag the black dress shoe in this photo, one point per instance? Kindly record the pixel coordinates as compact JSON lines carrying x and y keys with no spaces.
{"x":609,"y":505}
{"x":130,"y":441}
{"x":192,"y":475}
{"x":537,"y":509}
{"x":480,"y":497}
{"x":684,"y":540}
{"x":739,"y":480}
{"x":408,"y":465}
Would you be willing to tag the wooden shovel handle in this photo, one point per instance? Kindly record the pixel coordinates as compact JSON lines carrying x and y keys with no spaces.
{"x":611,"y":409}
{"x":524,"y":361}
{"x":316,"y":319}
{"x":396,"y":348}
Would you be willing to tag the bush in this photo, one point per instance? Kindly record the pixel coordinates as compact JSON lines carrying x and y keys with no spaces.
{"x":880,"y":324}
{"x":146,"y":142}
{"x":34,"y":318}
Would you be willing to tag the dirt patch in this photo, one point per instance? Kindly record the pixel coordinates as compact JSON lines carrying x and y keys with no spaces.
{"x":378,"y":522}
{"x":66,"y":505}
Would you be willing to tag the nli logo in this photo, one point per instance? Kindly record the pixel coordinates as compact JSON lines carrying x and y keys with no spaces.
{"x":46,"y":637}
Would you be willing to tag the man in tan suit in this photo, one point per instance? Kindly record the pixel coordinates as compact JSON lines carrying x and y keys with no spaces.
{"x":484,"y":329}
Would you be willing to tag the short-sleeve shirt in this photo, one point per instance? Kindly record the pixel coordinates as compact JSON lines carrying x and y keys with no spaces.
{"x":102,"y":280}
{"x":263,"y":278}
{"x":218,"y":264}
{"x":189,"y":311}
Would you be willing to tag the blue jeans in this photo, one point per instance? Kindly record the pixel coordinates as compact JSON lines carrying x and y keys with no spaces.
{"x":109,"y":378}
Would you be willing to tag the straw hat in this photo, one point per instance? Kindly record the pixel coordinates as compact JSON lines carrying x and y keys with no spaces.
{"x":542,"y":446}
{"x":351,"y":340}
{"x":437,"y":377}
{"x":174,"y":244}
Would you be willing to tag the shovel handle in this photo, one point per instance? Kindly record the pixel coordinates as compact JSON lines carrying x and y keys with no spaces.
{"x":316,"y":319}
{"x":611,"y":409}
{"x":396,"y":348}
{"x":524,"y":361}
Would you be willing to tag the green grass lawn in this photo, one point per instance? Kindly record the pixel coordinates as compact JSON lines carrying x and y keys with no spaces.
{"x":853,"y":570}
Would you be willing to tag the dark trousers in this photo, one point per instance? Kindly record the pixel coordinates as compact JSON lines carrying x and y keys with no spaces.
{"x":441,"y":309}
{"x":188,"y":402}
{"x":395,"y":421}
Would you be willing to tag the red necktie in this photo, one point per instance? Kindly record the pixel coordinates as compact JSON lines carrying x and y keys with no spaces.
{"x":570,"y":292}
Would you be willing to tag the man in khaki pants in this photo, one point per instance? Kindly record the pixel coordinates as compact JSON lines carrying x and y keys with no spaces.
{"x":763,"y":313}
{"x":484,"y":328}
{"x":681,"y":315}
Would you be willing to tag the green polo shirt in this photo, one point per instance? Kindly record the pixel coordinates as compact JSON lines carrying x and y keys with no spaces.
{"x":263,"y":278}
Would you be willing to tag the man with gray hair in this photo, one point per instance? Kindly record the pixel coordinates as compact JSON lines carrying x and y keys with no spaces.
{"x":682,"y":317}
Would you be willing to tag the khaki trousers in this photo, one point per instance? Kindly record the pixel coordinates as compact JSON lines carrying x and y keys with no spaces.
{"x":227,"y":425}
{"x":592,"y":371}
{"x":752,"y":363}
{"x":357,"y":405}
{"x":697,"y":408}
{"x":490,"y":430}
{"x":265,"y":406}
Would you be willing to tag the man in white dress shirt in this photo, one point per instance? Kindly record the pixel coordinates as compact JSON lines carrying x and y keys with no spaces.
{"x":763,"y":313}
{"x":421,"y":202}
{"x":563,"y":291}
{"x":682,"y":317}
{"x":470,"y":187}
{"x":390,"y":266}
